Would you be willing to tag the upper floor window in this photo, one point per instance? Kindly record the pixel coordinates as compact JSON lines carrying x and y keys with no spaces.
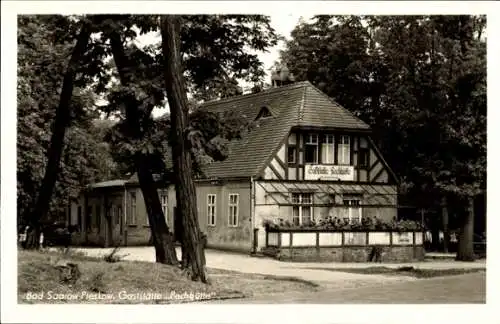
{"x":292,"y":154}
{"x":311,"y":148}
{"x":364,"y":158}
{"x":328,"y":150}
{"x":344,"y":150}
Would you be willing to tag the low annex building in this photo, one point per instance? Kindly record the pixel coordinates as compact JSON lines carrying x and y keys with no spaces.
{"x":307,"y":158}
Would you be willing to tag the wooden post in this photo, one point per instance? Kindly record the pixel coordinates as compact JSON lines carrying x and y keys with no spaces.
{"x":317,"y":243}
{"x":267,"y":238}
{"x":291,"y":244}
{"x":279,"y":239}
{"x":255,"y":240}
{"x":367,"y":239}
{"x":390,"y":238}
{"x":343,"y":238}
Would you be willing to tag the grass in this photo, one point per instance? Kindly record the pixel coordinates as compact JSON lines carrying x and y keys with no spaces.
{"x":143,"y":282}
{"x":406,"y":271}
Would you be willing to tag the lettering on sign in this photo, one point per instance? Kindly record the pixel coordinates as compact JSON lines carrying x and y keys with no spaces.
{"x":329,"y":172}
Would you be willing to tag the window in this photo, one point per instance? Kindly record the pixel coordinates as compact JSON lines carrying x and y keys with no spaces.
{"x":292,"y":154}
{"x":79,"y":218}
{"x":119,"y":218}
{"x":263,"y":113}
{"x":164,"y":206}
{"x":133,"y":209}
{"x":233,"y":209}
{"x":98,"y":217}
{"x":311,"y":148}
{"x":328,"y":150}
{"x":211,"y":209}
{"x":302,"y":208}
{"x":352,"y":210}
{"x":344,"y":152}
{"x":364,"y":158}
{"x":88,"y":221}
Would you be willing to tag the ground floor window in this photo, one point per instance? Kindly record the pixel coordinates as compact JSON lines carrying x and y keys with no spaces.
{"x":133,"y":209}
{"x":79,"y":218}
{"x":88,"y":220}
{"x":164,"y":206}
{"x":211,"y":200}
{"x":233,"y":209}
{"x":352,"y":211}
{"x":302,"y":210}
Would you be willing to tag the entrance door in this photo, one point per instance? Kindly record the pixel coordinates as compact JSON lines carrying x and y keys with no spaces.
{"x":117,"y":224}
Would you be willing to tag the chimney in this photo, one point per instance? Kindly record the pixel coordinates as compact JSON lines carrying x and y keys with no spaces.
{"x":281,"y":76}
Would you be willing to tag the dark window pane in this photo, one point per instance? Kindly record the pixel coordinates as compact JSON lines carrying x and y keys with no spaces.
{"x":291,"y":154}
{"x":311,"y":154}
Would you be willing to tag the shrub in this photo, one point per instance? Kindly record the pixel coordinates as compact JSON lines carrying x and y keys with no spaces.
{"x":335,"y":223}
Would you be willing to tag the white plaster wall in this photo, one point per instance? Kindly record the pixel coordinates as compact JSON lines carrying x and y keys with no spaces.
{"x":379,"y":238}
{"x":402,"y":238}
{"x":330,"y":239}
{"x":304,"y":239}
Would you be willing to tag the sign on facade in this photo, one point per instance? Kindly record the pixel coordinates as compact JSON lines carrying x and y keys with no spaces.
{"x":329,"y":172}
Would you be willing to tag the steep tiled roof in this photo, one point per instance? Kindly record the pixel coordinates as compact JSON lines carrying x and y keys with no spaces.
{"x":298,"y":104}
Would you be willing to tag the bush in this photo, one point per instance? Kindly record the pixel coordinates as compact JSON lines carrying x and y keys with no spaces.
{"x":335,"y":223}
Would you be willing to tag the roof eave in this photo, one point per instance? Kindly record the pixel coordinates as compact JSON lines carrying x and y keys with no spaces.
{"x":326,"y":128}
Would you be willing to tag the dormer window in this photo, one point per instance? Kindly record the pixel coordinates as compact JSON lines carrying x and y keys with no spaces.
{"x":264,"y":113}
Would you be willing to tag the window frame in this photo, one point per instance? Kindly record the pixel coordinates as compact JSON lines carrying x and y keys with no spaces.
{"x":308,"y":142}
{"x":231,"y":208}
{"x":351,"y":207}
{"x":340,"y":152}
{"x":294,"y":149}
{"x":132,"y":220}
{"x":366,"y":152}
{"x":98,"y":217}
{"x":211,"y":210}
{"x":301,"y":206}
{"x":164,"y":205}
{"x":328,"y":141}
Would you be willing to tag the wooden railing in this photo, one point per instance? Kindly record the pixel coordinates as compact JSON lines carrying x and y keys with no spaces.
{"x":298,"y":238}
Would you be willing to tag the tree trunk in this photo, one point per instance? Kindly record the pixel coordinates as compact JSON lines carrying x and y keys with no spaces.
{"x":185,"y":190}
{"x":466,"y":239}
{"x":54,"y":153}
{"x":435,"y":233}
{"x":162,"y":238}
{"x":445,"y":220}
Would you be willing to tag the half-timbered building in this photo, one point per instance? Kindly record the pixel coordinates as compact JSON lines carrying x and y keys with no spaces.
{"x":305,"y":158}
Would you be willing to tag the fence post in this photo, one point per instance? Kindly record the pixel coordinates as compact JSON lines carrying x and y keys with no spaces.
{"x":291,"y":243}
{"x":343,"y":238}
{"x":317,"y":243}
{"x":367,"y":238}
{"x":267,"y":238}
{"x":279,"y":239}
{"x":390,"y":238}
{"x":255,"y":240}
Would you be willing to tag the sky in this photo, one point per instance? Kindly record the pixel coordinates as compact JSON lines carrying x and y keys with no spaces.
{"x":283,"y":25}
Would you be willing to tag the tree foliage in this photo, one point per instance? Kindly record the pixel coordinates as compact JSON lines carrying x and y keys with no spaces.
{"x":44,"y":46}
{"x":419,"y":81}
